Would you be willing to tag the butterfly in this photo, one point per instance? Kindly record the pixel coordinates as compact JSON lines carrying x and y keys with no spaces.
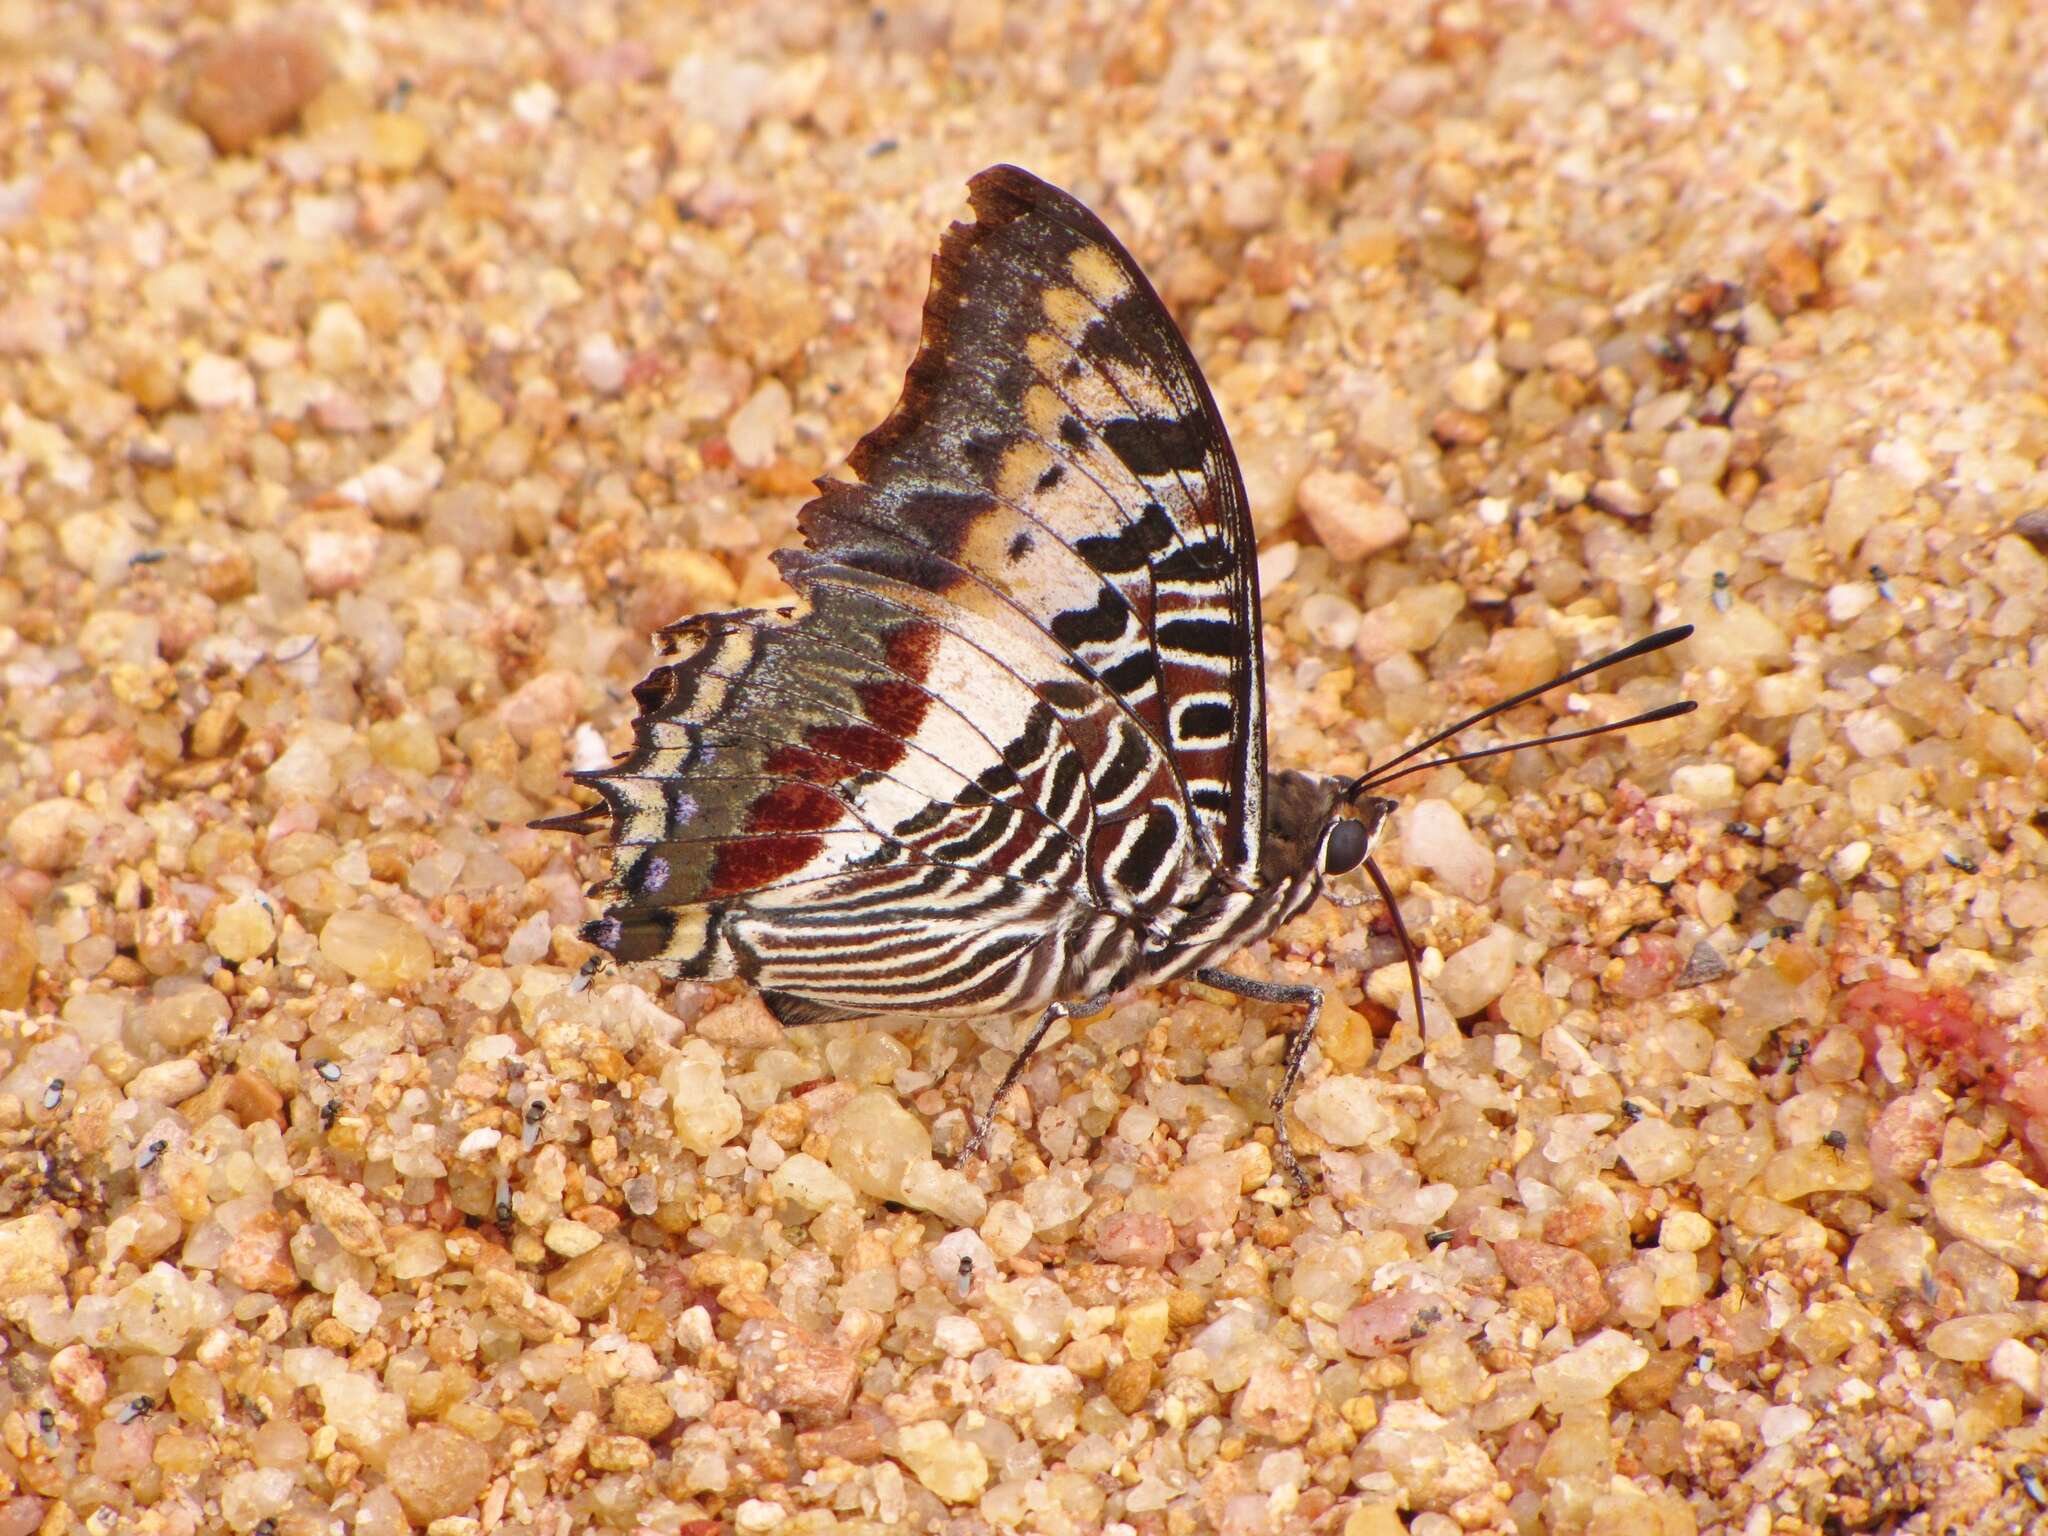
{"x":1005,"y":753}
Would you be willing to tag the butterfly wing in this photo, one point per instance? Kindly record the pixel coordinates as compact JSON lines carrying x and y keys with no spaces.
{"x":1021,"y":691}
{"x":1057,"y":447}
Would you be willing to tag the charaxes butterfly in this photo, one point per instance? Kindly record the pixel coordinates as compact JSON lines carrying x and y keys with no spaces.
{"x":1007,"y":750}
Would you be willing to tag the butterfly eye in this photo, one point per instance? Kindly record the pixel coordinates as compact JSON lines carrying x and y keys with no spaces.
{"x":1344,"y":848}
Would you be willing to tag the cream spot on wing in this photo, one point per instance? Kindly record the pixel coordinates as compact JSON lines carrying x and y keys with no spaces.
{"x":1018,"y":471}
{"x":644,"y":817}
{"x":1094,"y":399}
{"x":1046,"y":352}
{"x":709,"y":699}
{"x":1069,"y":310}
{"x":1042,"y":411}
{"x":1097,"y":272}
{"x":692,"y":929}
{"x":1143,"y":389}
{"x":1076,"y":506}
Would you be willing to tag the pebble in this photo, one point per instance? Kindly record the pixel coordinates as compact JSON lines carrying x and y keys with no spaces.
{"x":168,"y":1082}
{"x":1142,"y":1239}
{"x":241,"y":930}
{"x":1572,"y":1279}
{"x":602,"y":364}
{"x":1999,"y":1209}
{"x":437,"y":1472}
{"x":1859,"y":501}
{"x":705,"y":1114}
{"x":873,"y":1142}
{"x":1435,"y":837}
{"x":1035,"y":1313}
{"x":35,"y":1256}
{"x":1252,"y":200}
{"x":1656,"y":1151}
{"x":1277,"y":1402}
{"x":1479,"y":385}
{"x":215,"y":382}
{"x":1906,"y":1135}
{"x":591,"y":1282}
{"x":1783,"y":1423}
{"x":258,"y":1256}
{"x":758,"y":428}
{"x":953,"y":1469}
{"x":2018,"y":1365}
{"x":1699,"y":455}
{"x":1583,"y":1376}
{"x":249,"y":85}
{"x":1477,"y":974}
{"x":381,"y":951}
{"x":794,"y":1373}
{"x":1710,"y":786}
{"x":1411,"y":621}
{"x":337,"y":341}
{"x":1350,"y":516}
{"x":1346,"y":1112}
{"x":339,"y":554}
{"x":807,"y":1182}
{"x":1330,"y":619}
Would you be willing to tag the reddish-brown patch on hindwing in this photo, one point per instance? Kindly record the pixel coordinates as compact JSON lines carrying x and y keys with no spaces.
{"x":910,"y":649}
{"x":859,"y":744}
{"x":897,"y":708}
{"x":803,"y":763}
{"x":794,"y":808}
{"x":748,"y":863}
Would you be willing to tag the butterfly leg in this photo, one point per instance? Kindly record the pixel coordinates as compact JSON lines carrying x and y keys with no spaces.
{"x":1297,"y":1048}
{"x":987,"y":1120}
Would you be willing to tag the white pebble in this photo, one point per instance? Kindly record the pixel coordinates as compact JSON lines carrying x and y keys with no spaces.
{"x":1477,"y":386}
{"x":601,"y":363}
{"x":2018,"y":1365}
{"x":1346,"y":1112}
{"x":1330,"y":619}
{"x":1707,"y":785}
{"x":1783,"y":1423}
{"x":757,"y":428}
{"x":1478,"y":973}
{"x":529,"y":941}
{"x":1874,"y":733}
{"x":1437,"y":839}
{"x":1277,"y":564}
{"x":1847,"y":599}
{"x":339,"y":556}
{"x":337,"y":341}
{"x":535,"y":104}
{"x":805,"y":1180}
{"x":1581,"y":1377}
{"x":216,"y":383}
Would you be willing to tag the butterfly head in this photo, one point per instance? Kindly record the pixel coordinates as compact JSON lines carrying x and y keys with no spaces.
{"x":1351,"y":833}
{"x":1316,"y":832}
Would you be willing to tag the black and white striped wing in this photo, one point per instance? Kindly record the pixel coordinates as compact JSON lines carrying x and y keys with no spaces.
{"x":1015,"y":719}
{"x":1057,"y":453}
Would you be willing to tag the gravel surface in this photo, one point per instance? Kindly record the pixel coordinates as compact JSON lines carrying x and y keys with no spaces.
{"x":373,"y":380}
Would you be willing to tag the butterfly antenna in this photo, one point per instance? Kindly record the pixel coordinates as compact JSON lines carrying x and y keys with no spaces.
{"x":1400,"y":932}
{"x":1648,"y":717}
{"x":1642,"y":647}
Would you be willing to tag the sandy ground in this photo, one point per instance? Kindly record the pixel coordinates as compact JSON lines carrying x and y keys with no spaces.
{"x":372,"y":381}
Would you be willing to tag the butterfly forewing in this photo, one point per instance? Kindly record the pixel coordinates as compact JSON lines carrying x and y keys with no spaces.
{"x":1013,"y":728}
{"x":1056,"y":411}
